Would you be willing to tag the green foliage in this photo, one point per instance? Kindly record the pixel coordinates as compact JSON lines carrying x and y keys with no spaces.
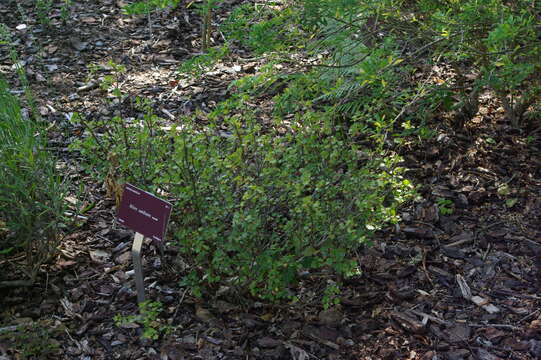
{"x":497,"y":41}
{"x":32,"y":341}
{"x":5,"y":39}
{"x":255,"y":204}
{"x":316,"y":13}
{"x":146,"y":6}
{"x":331,"y":295}
{"x":235,"y":26}
{"x":445,"y":206}
{"x":132,"y":141}
{"x":264,"y":82}
{"x":501,"y":41}
{"x":199,"y":64}
{"x":263,"y":29}
{"x":43,"y":11}
{"x":111,"y":81}
{"x":65,"y":11}
{"x":300,"y":93}
{"x":260,"y":207}
{"x":363,"y":90}
{"x":31,"y":189}
{"x":148,"y":318}
{"x":254,"y":207}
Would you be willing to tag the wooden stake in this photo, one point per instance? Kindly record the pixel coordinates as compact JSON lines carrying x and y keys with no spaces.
{"x":138,"y":266}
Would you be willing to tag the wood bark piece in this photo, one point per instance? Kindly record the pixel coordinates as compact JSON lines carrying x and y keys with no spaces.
{"x":485,"y":304}
{"x":430,"y":317}
{"x":408,"y":323}
{"x":458,"y":332}
{"x":86,"y":87}
{"x":464,"y":287}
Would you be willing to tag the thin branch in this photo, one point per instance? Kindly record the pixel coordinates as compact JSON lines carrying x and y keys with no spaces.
{"x":16,"y":283}
{"x":424,"y":47}
{"x":356,"y":62}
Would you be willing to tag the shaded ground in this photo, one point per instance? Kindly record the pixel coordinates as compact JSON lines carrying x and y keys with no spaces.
{"x":412,"y":300}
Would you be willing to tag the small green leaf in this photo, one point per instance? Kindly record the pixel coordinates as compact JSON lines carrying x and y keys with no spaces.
{"x":504,"y":190}
{"x":511,"y":202}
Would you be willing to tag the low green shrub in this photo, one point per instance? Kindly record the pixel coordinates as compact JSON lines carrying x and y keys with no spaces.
{"x":197,"y":65}
{"x":259,"y":207}
{"x":31,"y":189}
{"x":253,"y":206}
{"x":263,"y":29}
{"x":65,"y":11}
{"x":33,"y":341}
{"x":138,"y":147}
{"x":43,"y":11}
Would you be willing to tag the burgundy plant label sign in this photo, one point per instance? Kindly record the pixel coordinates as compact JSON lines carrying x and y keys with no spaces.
{"x":143,"y":212}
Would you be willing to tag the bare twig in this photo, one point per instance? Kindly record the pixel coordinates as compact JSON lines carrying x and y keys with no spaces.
{"x":497,"y":326}
{"x":529,"y":316}
{"x":356,"y":62}
{"x":426,"y":46}
{"x":427,"y":274}
{"x":460,"y":242}
{"x":12,"y":327}
{"x":430,"y":317}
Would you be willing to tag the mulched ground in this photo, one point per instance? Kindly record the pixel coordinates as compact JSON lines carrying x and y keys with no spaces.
{"x":464,"y":285}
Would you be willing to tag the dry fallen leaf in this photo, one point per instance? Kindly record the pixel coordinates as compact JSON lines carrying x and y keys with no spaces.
{"x":297,"y":353}
{"x":331,"y":317}
{"x":99,"y":256}
{"x":203,"y":314}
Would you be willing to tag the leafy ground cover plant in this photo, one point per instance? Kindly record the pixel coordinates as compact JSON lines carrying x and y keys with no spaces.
{"x":199,"y":64}
{"x":148,"y":319}
{"x":65,"y":11}
{"x":257,"y":204}
{"x":43,"y":9}
{"x":34,"y":340}
{"x":496,"y":41}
